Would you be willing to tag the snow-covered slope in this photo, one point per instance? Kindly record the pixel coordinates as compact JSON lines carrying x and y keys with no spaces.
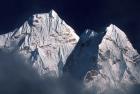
{"x":118,"y":60}
{"x":45,"y":40}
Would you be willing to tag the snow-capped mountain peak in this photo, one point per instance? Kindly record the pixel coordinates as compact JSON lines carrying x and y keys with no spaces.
{"x":45,"y":40}
{"x":88,"y":34}
{"x":53,"y":14}
{"x":115,"y":34}
{"x":118,"y":61}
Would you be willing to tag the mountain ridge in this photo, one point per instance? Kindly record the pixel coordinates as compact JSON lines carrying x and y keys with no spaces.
{"x":119,"y":62}
{"x":53,"y":48}
{"x":43,"y":37}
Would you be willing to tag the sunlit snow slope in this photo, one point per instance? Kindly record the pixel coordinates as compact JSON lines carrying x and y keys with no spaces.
{"x":45,"y":40}
{"x":118,"y":61}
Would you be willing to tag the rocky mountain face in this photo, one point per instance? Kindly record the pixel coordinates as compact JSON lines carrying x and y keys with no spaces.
{"x":119,"y":62}
{"x":45,"y":40}
{"x":101,"y":60}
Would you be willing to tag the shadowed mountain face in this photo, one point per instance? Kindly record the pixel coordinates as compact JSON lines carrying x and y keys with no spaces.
{"x":84,"y":57}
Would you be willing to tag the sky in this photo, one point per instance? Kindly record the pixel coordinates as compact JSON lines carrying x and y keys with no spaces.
{"x":79,"y":14}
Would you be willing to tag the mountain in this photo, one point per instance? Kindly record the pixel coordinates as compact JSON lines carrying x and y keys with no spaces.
{"x":84,"y":55}
{"x":101,"y":60}
{"x":119,"y":62}
{"x":45,"y":40}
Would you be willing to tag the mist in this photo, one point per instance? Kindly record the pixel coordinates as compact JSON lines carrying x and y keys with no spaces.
{"x":18,"y":77}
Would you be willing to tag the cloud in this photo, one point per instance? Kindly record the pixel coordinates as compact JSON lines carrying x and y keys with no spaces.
{"x":17,"y":77}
